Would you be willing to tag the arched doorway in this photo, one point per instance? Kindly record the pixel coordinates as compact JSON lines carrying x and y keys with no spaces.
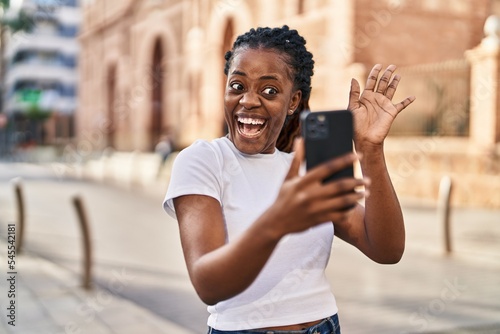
{"x":226,"y":46}
{"x":157,"y":99}
{"x":110,"y":106}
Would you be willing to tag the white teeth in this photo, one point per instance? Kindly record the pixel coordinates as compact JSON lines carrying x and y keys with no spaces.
{"x":253,"y":121}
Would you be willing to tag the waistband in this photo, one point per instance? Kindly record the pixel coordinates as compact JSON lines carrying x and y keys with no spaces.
{"x":329,"y":325}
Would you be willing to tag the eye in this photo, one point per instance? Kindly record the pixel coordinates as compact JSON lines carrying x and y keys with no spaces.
{"x":270,"y":91}
{"x":236,"y":86}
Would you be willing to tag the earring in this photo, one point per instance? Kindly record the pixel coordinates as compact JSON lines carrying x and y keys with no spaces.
{"x":290,"y":112}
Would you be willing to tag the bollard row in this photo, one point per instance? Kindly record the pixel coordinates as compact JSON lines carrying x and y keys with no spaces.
{"x":84,"y":227}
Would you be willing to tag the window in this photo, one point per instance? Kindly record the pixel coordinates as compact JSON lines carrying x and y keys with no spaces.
{"x":44,"y":57}
{"x":69,"y":60}
{"x":48,"y":58}
{"x":37,"y":85}
{"x":46,"y":2}
{"x":57,"y":3}
{"x":68,"y":90}
{"x":46,"y":27}
{"x":23,"y":56}
{"x":67,"y":30}
{"x":69,"y":3}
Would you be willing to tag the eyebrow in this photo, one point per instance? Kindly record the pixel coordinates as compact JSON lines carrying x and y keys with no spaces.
{"x":264,"y":77}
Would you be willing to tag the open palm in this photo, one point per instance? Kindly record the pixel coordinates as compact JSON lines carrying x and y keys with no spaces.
{"x":373,"y":110}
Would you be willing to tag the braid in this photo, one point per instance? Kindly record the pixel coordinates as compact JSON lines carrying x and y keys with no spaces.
{"x":299,"y":60}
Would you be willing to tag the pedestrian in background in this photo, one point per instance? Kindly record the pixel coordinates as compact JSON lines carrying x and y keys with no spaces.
{"x":164,"y":146}
{"x":257,"y":231}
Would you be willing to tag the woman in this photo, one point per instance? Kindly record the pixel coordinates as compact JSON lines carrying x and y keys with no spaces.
{"x":257,"y":233}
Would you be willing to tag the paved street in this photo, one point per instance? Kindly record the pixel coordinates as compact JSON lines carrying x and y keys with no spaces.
{"x":134,"y":239}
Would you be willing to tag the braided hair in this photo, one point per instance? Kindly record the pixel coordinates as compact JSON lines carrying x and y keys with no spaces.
{"x":292,"y":46}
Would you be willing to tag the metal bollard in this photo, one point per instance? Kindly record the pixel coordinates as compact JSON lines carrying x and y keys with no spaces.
{"x":444,"y":210}
{"x":87,"y":246}
{"x":18,"y":189}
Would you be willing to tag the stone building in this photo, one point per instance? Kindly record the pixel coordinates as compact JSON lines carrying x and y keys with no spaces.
{"x":147,"y":67}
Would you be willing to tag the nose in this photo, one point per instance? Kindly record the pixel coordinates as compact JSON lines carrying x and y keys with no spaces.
{"x":250,"y":100}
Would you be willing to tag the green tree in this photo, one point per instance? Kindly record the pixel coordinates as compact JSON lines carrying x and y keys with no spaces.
{"x":5,"y":3}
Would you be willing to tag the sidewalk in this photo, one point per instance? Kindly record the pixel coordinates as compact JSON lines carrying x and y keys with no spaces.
{"x":49,"y":299}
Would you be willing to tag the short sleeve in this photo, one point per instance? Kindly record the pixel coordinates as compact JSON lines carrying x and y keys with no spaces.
{"x":195,"y":171}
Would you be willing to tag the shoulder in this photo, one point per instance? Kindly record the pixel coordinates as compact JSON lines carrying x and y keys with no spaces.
{"x":218,"y":147}
{"x":200,"y":149}
{"x":209,"y":154}
{"x":200,"y":145}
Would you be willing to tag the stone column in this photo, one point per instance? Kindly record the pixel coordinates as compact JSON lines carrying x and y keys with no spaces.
{"x":484,"y":123}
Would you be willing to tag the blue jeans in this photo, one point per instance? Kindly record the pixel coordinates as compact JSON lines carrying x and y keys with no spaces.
{"x":329,"y":325}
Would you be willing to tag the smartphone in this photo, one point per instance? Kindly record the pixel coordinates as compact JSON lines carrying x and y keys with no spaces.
{"x":327,"y":134}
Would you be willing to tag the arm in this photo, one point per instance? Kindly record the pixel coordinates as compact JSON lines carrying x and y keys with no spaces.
{"x":378,"y":229}
{"x":220,"y":269}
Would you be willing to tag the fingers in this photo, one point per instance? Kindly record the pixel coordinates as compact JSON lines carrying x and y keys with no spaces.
{"x":354,"y":95}
{"x":385,"y":85}
{"x":338,"y":205}
{"x":391,"y":89}
{"x":321,"y":172}
{"x":385,"y":79}
{"x":312,"y":201}
{"x":336,"y":208}
{"x":371,"y":82}
{"x":405,"y":103}
{"x":344,"y":186}
{"x":298,"y":148}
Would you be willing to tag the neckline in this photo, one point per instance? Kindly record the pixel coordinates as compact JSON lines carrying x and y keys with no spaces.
{"x":250,"y":156}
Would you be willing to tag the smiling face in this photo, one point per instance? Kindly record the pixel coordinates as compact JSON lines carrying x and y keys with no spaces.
{"x":259,"y":94}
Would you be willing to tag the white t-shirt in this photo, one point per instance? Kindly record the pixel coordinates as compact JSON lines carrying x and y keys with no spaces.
{"x":292,"y":287}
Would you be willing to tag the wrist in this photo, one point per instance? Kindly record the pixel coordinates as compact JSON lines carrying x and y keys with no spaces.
{"x":369,"y":149}
{"x":268,"y":228}
{"x":372,"y":157}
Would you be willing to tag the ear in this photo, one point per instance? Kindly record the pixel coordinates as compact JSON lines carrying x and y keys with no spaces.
{"x":295,"y":100}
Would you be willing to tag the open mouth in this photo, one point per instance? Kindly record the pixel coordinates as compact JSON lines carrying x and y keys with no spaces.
{"x":250,"y":127}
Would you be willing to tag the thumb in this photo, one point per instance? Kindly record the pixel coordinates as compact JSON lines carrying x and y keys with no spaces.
{"x":298,"y":148}
{"x":354,"y":94}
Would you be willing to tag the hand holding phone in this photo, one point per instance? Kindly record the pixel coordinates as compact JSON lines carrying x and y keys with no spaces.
{"x":327,"y":134}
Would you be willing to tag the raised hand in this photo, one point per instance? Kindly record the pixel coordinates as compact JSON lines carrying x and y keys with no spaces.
{"x":373,"y":110}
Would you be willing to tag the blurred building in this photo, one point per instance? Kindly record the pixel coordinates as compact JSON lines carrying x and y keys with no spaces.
{"x":40,"y":82}
{"x":151,"y":66}
{"x":147,"y":65}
